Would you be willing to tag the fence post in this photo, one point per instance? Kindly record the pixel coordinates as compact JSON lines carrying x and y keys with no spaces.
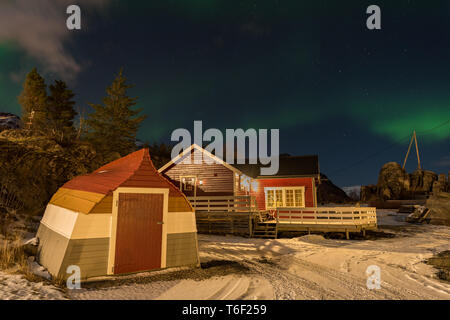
{"x":250,"y":225}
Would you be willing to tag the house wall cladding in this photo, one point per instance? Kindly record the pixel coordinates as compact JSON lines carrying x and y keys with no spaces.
{"x":83,"y":242}
{"x":181,"y":249}
{"x":306,"y":182}
{"x":51,"y":256}
{"x":217,"y":179}
{"x":90,"y":255}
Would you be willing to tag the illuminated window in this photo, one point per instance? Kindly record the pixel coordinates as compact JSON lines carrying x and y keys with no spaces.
{"x":279,"y":197}
{"x":285,"y":197}
{"x":270,"y":201}
{"x":187,"y":183}
{"x":289,"y":198}
{"x":299,"y":198}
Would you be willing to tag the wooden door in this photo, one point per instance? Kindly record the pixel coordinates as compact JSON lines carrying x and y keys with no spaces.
{"x":139,"y":232}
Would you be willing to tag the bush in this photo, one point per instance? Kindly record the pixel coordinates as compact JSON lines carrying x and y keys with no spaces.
{"x":32,"y":168}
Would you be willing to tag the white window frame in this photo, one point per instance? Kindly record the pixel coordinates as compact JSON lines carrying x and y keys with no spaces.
{"x":183,"y":184}
{"x":284,"y":196}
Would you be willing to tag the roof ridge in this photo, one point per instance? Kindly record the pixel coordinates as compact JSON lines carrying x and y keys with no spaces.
{"x":136,"y":154}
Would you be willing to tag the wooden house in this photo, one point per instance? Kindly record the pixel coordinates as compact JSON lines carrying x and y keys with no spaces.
{"x":198,"y":173}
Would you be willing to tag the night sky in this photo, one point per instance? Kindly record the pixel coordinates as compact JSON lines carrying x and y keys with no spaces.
{"x":310,"y":68}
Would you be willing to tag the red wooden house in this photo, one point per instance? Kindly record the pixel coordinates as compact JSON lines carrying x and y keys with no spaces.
{"x":293,"y":186}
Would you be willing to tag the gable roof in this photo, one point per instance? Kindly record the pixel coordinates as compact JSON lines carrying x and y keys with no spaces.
{"x":186,"y":152}
{"x":84,"y":192}
{"x":289,"y":166}
{"x":108,"y":177}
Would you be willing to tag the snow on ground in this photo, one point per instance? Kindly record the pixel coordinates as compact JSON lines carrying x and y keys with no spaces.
{"x":307,"y":267}
{"x":16,"y":287}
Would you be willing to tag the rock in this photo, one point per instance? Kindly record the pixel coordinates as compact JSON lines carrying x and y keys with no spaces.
{"x":393,"y":182}
{"x":422,"y":181}
{"x":438,"y":186}
{"x":369,"y":193}
{"x":441,"y":261}
{"x":9,"y":121}
{"x":30,"y":247}
{"x":439,"y":205}
{"x":417,"y":215}
{"x":441,"y":185}
{"x":328,"y":192}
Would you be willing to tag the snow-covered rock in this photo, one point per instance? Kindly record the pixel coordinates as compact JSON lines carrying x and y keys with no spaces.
{"x":37,"y":269}
{"x":9,"y":121}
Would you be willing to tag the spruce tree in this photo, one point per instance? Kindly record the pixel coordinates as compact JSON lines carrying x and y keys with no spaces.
{"x":61,"y":112}
{"x":33,"y":100}
{"x":113,"y":125}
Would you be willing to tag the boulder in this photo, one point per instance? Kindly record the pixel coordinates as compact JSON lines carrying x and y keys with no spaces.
{"x":422,"y":181}
{"x":30,"y":247}
{"x":393,"y":182}
{"x":439,"y":205}
{"x":369,"y":193}
{"x":418,"y":215}
{"x":9,"y":121}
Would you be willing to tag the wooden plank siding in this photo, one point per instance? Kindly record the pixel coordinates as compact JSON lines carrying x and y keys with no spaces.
{"x":179,"y":204}
{"x":182,"y":249}
{"x":91,"y":255}
{"x":104,"y":206}
{"x":76,"y":200}
{"x":52,"y":249}
{"x":216,"y":178}
{"x":225,"y":223}
{"x":176,"y":204}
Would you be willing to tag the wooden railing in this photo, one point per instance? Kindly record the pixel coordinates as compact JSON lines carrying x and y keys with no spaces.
{"x":330,"y":215}
{"x":223,"y":203}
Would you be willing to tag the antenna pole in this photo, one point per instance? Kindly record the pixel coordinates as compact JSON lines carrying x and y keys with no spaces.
{"x":417,"y":150}
{"x":409,"y":149}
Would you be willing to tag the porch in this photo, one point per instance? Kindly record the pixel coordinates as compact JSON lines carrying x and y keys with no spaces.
{"x":239,"y":215}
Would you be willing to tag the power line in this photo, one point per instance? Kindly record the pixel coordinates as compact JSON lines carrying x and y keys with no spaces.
{"x":423,"y":133}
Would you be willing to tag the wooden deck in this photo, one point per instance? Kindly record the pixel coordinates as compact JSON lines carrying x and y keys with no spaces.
{"x":238,"y":215}
{"x":327,"y":219}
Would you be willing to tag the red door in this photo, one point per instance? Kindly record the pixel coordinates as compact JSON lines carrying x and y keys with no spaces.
{"x":139,"y":232}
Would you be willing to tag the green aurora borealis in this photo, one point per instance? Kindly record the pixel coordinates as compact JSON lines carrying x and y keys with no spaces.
{"x":311,"y":69}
